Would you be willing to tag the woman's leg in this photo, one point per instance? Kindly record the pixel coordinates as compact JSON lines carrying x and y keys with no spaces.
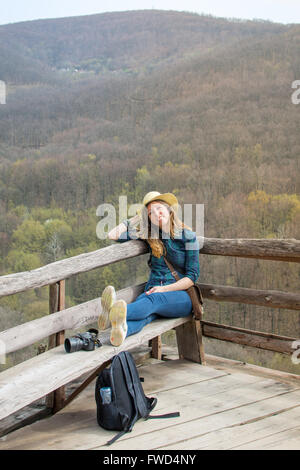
{"x":167,"y":304}
{"x":147,"y":308}
{"x":134,"y":326}
{"x":139,"y":314}
{"x":172,"y":304}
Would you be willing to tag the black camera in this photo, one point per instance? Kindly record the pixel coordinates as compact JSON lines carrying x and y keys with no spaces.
{"x":86,"y":341}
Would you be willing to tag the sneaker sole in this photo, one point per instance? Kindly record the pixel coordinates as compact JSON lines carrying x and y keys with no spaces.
{"x":107,"y":300}
{"x":117,"y":316}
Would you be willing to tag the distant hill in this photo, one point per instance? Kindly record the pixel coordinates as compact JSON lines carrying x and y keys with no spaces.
{"x":127,"y":41}
{"x":117,"y":66}
{"x":113,"y":92}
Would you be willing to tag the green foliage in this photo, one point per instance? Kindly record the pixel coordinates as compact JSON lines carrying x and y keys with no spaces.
{"x":43,"y":214}
{"x":59,"y":237}
{"x":30,"y":236}
{"x":14,"y":304}
{"x":271,"y":214}
{"x":18,"y":261}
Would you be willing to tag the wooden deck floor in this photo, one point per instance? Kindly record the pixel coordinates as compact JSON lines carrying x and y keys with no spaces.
{"x":220,"y":408}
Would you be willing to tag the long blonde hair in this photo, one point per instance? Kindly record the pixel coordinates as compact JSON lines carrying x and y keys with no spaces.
{"x":145,"y":226}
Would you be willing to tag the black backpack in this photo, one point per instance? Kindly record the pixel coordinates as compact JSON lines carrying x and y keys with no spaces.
{"x":128,"y":400}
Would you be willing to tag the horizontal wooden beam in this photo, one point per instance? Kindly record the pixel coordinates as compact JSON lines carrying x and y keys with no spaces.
{"x":75,"y":317}
{"x":256,"y":339}
{"x":66,"y":268}
{"x":265,"y":298}
{"x":271,"y":249}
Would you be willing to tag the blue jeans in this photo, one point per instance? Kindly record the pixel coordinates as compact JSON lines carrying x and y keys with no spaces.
{"x":146,"y":308}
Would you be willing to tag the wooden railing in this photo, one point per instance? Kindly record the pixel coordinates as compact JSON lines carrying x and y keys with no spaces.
{"x":55,"y":274}
{"x":271,"y":249}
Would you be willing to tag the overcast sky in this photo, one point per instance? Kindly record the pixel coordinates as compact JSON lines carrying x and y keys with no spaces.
{"x":282,"y":11}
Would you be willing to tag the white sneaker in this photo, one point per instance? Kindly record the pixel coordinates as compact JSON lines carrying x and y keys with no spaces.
{"x":108,"y":298}
{"x":117,"y":316}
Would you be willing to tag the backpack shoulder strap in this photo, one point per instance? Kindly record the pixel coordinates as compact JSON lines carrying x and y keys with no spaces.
{"x":138,"y":390}
{"x":130,"y":387}
{"x":116,"y":437}
{"x":141,"y":398}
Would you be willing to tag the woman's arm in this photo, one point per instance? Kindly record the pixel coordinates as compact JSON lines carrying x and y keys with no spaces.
{"x":183,"y":284}
{"x":116,"y":232}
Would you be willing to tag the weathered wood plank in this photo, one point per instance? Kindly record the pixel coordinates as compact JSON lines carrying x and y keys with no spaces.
{"x":247,"y":433}
{"x":189,"y":341}
{"x":265,"y":298}
{"x":156,"y":345}
{"x":273,"y":249}
{"x":177,"y":373}
{"x":56,"y":398}
{"x":233,"y":366}
{"x":256,"y":339}
{"x":75,"y":317}
{"x":63,"y":269}
{"x":36,"y":377}
{"x":284,"y":440}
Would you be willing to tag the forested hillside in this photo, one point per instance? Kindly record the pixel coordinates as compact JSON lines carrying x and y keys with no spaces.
{"x":124,"y":103}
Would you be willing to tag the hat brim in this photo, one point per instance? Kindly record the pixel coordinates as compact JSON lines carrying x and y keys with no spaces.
{"x":169,"y":198}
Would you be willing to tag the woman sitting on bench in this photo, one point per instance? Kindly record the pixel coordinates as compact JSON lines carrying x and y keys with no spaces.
{"x":159,"y":226}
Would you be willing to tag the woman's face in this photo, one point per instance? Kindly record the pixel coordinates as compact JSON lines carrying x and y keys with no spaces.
{"x":159,"y":214}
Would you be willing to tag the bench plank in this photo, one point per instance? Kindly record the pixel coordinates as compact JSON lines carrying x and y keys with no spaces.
{"x":36,"y":377}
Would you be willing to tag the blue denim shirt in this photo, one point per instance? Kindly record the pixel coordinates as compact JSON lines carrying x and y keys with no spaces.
{"x":182,"y":252}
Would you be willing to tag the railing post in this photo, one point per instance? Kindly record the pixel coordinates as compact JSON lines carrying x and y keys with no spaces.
{"x":190,"y":342}
{"x":156,"y":345}
{"x":56,"y":398}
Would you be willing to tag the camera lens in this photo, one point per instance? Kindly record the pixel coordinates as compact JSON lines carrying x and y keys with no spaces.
{"x":73,"y":344}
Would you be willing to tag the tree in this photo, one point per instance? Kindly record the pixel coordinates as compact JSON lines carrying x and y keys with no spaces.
{"x":30,"y":236}
{"x":19,"y":261}
{"x":54,"y":249}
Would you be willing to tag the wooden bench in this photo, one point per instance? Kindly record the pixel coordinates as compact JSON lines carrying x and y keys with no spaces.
{"x":37,"y":377}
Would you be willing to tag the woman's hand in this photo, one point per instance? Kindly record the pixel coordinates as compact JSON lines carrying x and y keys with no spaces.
{"x":156,"y":289}
{"x":134,"y":220}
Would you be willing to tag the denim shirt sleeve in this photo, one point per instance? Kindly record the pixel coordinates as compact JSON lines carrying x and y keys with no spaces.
{"x":192,"y":263}
{"x":124,"y":237}
{"x":129,"y":234}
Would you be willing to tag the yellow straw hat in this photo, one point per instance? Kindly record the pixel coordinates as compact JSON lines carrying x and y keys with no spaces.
{"x":169,"y":198}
